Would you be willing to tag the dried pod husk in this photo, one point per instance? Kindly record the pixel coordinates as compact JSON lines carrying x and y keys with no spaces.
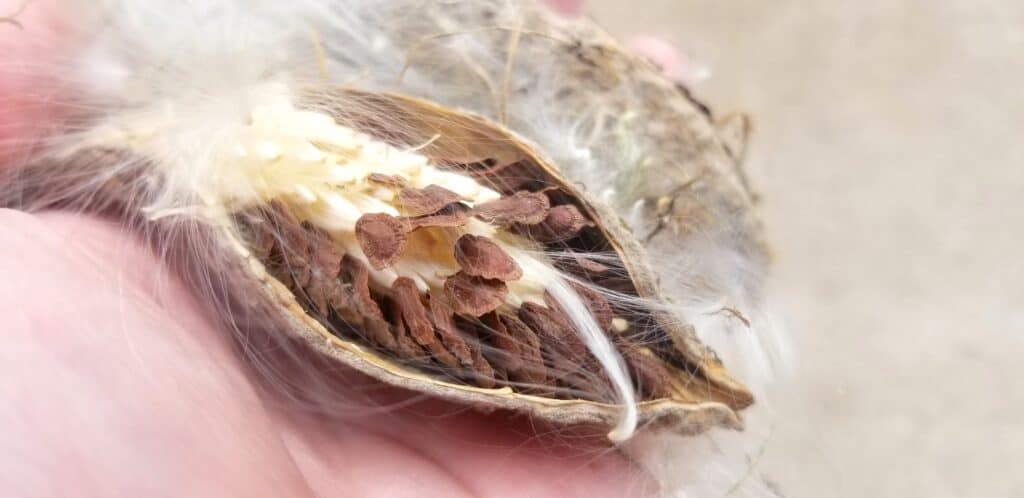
{"x":685,"y":386}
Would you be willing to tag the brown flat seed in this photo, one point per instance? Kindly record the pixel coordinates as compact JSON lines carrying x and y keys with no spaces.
{"x":509,"y":178}
{"x":474,"y":296}
{"x":355,"y":305}
{"x":409,"y":348}
{"x":393,"y":181}
{"x":442,"y":355}
{"x":344,"y":302}
{"x":482,"y":257}
{"x":379,"y":331}
{"x":483,"y":165}
{"x":381,"y":237}
{"x":407,"y":296}
{"x":319,"y":292}
{"x":427,"y":200}
{"x":593,"y":300}
{"x":355,"y":273}
{"x":282,"y":273}
{"x":444,"y":325}
{"x":300,"y":272}
{"x":483,"y":372}
{"x":452,"y":215}
{"x":533,"y":370}
{"x":654,"y":379}
{"x":562,"y":223}
{"x":292,"y":243}
{"x":405,"y":346}
{"x":291,"y":265}
{"x":507,"y":350}
{"x":555,"y":334}
{"x":324,"y":254}
{"x":526,"y":208}
{"x":262,"y":236}
{"x":585,"y":263}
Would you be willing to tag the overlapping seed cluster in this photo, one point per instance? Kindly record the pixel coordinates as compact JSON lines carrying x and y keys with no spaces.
{"x":427,"y":264}
{"x":466,"y":326}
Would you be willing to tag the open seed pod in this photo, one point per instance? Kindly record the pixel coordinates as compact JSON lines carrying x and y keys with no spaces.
{"x":448,"y":259}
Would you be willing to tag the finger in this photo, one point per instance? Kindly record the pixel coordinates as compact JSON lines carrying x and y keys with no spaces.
{"x":567,"y":7}
{"x":664,"y":54}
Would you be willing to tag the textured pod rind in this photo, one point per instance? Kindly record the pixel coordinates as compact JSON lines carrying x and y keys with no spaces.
{"x":448,"y":129}
{"x":436,"y":121}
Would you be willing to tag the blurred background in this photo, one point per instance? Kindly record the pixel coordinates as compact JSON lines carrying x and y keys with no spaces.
{"x":888,"y":152}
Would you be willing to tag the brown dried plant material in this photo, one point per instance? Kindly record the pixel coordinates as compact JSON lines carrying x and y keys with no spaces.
{"x":417,"y":322}
{"x":262,"y":234}
{"x":393,"y":181}
{"x":532,"y":353}
{"x":427,"y":200}
{"x":324,"y":255}
{"x":356,"y":305}
{"x":331,"y":283}
{"x":320,"y":289}
{"x":381,"y":237}
{"x":525,"y":208}
{"x":481,"y":257}
{"x":310,"y":260}
{"x":531,"y":367}
{"x":583,"y":262}
{"x":593,"y":300}
{"x":508,"y":350}
{"x":355,"y":274}
{"x":324,"y":259}
{"x":482,"y":372}
{"x":474,"y":296}
{"x":561,"y":224}
{"x":508,"y":178}
{"x":413,"y":312}
{"x":450,"y":216}
{"x":652,"y":377}
{"x":292,"y":265}
{"x":442,"y":355}
{"x":444,"y":325}
{"x":405,"y":346}
{"x":555,"y":333}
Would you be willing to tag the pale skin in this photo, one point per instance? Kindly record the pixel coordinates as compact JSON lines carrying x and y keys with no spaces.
{"x":115,"y":382}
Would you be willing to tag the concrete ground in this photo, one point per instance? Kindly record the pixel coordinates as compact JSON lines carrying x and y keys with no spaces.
{"x":889,"y":151}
